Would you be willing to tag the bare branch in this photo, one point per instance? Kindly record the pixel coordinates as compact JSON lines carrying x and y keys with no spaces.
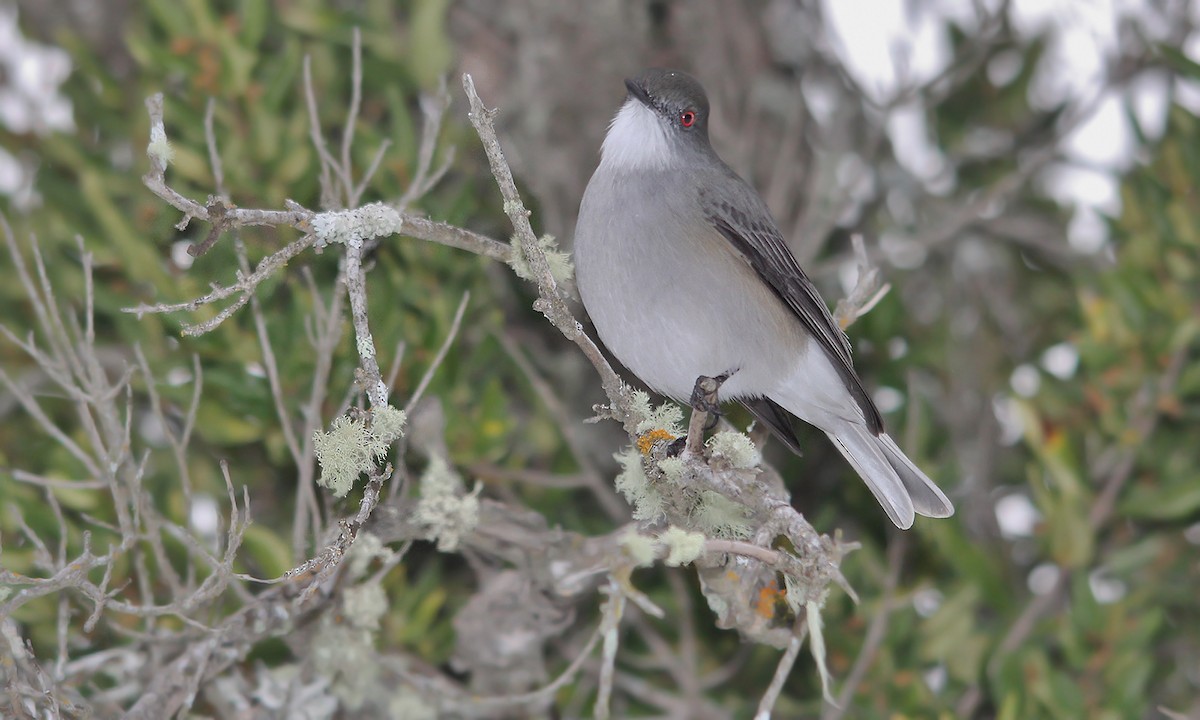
{"x":771,"y":696}
{"x":550,"y":303}
{"x":440,"y":356}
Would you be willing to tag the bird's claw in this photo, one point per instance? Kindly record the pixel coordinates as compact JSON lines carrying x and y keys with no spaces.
{"x":704,"y":394}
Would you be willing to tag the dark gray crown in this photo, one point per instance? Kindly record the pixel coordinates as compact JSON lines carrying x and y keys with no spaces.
{"x":670,"y":93}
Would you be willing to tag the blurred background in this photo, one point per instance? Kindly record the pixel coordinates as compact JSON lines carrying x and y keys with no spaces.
{"x":1023,"y":172}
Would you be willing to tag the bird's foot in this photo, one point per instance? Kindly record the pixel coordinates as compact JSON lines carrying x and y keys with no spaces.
{"x":706,"y":409}
{"x":704,"y":393}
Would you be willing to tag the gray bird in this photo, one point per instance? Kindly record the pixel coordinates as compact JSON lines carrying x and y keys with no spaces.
{"x":685,"y":274}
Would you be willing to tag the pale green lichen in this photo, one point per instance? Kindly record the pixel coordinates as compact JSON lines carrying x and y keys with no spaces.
{"x":636,"y":487}
{"x":666,"y":417}
{"x":799,"y":594}
{"x":366,"y":548}
{"x":351,"y":447}
{"x":407,"y":704}
{"x":640,"y":548}
{"x":345,"y":452}
{"x":445,"y":512}
{"x":351,"y":227}
{"x":672,"y":469}
{"x":816,"y":645}
{"x":364,"y":605}
{"x":735,"y":448}
{"x":717,"y":516}
{"x":159,"y":148}
{"x":387,"y":423}
{"x":346,"y":655}
{"x":365,"y":345}
{"x":560,"y":262}
{"x":682,"y":546}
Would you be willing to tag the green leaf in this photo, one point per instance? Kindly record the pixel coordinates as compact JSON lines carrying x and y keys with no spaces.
{"x":1157,"y":501}
{"x":429,"y":52}
{"x":254,"y":15}
{"x":1179,"y":60}
{"x":272,"y":555}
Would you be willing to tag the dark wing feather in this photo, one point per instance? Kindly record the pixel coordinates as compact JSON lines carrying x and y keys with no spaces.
{"x":759,"y":243}
{"x":777,"y":420}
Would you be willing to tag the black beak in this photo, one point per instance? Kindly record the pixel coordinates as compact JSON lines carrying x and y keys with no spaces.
{"x":638,"y":92}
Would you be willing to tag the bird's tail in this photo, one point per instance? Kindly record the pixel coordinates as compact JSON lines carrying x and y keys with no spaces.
{"x":899,"y":485}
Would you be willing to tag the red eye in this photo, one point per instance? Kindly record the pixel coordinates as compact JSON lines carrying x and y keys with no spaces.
{"x":687,"y":118}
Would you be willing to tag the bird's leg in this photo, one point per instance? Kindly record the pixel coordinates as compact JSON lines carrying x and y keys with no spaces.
{"x":705,"y":409}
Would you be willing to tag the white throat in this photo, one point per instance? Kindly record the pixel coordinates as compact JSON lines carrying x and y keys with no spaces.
{"x":637,"y":139}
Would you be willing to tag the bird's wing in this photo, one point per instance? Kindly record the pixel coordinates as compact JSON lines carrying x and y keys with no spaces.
{"x":759,"y":243}
{"x":777,"y":420}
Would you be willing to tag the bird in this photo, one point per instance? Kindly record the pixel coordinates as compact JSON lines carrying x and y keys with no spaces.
{"x":684,"y":274}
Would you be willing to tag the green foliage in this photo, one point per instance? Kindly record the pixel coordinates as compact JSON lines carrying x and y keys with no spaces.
{"x":1118,"y":639}
{"x":248,"y":58}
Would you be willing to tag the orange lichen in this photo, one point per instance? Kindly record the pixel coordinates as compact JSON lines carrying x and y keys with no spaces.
{"x":769,"y":597}
{"x":648,"y":439}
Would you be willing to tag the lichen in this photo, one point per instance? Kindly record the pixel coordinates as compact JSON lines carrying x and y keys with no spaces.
{"x":636,"y":487}
{"x":640,"y":548}
{"x":364,"y":605}
{"x":351,"y":227}
{"x":667,"y":417}
{"x":560,"y":262}
{"x":735,"y":448}
{"x":351,"y":447}
{"x":446,"y":513}
{"x":682,"y":546}
{"x":717,"y":516}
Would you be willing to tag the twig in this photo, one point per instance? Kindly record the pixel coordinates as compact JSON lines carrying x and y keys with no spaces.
{"x":433,"y":108}
{"x":155,"y":180}
{"x":328,"y":164}
{"x":441,"y":354}
{"x":550,"y":302}
{"x":547,"y":691}
{"x":591,"y":477}
{"x":745,"y":549}
{"x":783,"y":669}
{"x":246,"y":285}
{"x":876,"y":632}
{"x":614,"y":609}
{"x":868,"y":290}
{"x":352,"y":114}
{"x":456,"y":237}
{"x":210,"y":140}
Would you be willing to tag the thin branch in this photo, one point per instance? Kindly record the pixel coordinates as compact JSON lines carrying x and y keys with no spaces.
{"x":214,"y":156}
{"x":456,"y":237}
{"x":440,"y":357}
{"x":328,"y":164}
{"x":550,"y":303}
{"x":591,"y":476}
{"x":614,"y":610}
{"x":783,"y":669}
{"x":352,"y":114}
{"x":876,"y":632}
{"x":544,"y":693}
{"x":216,"y":211}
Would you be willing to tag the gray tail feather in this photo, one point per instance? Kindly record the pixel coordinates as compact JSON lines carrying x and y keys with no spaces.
{"x":899,"y":485}
{"x":861,"y":449}
{"x":927,"y":498}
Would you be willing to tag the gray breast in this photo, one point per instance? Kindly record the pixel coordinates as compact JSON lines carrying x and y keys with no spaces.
{"x":668,"y":295}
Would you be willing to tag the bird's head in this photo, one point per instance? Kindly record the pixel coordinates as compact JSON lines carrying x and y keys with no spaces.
{"x":663,"y":123}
